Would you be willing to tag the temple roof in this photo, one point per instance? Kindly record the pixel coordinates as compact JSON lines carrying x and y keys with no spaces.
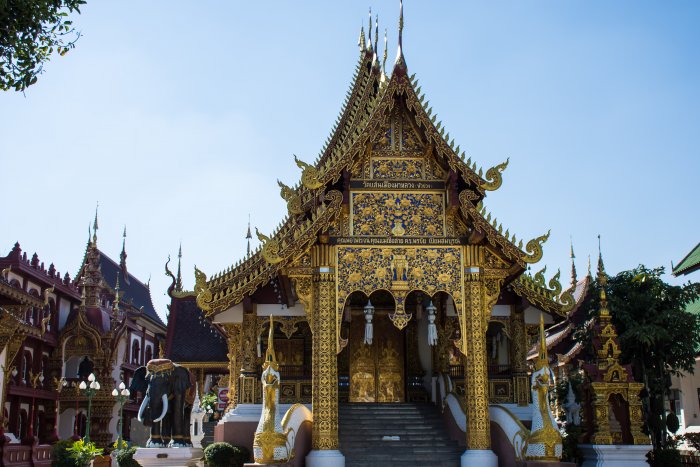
{"x":314,"y":202}
{"x":690,"y":263}
{"x":131,"y":291}
{"x":191,"y":339}
{"x":559,"y":336}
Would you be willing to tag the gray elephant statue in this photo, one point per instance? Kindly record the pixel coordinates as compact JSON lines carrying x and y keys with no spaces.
{"x":163,"y":385}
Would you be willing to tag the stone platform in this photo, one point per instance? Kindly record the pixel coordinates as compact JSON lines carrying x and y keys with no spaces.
{"x":168,"y":457}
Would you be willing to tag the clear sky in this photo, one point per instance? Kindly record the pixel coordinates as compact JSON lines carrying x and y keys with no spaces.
{"x":178,"y":117}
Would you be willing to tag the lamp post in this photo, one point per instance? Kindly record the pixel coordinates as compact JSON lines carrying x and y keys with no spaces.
{"x":60,"y":384}
{"x":122,"y":395}
{"x":90,"y":392}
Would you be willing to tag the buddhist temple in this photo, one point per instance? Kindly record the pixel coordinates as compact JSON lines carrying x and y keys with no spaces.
{"x":389,"y":282}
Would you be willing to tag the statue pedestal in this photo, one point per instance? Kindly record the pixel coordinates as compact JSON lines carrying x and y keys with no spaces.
{"x":480,"y":457}
{"x":325,"y":458}
{"x":168,"y":457}
{"x":614,"y":455}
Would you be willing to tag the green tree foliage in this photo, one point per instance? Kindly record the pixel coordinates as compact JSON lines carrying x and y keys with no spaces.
{"x":658,"y":337}
{"x":30,"y":32}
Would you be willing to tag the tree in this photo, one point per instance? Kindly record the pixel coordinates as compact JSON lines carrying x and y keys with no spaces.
{"x":30,"y":32}
{"x":658,"y":337}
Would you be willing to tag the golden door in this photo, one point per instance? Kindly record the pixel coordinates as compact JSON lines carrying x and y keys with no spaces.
{"x":377,"y":370}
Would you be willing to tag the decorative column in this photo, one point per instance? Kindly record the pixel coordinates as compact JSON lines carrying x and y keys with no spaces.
{"x":248,"y":376}
{"x":521,"y":384}
{"x":478,"y":298}
{"x":324,"y":435}
{"x":233,"y":340}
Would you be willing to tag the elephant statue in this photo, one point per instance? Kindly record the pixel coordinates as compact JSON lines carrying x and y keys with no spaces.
{"x":163,"y":385}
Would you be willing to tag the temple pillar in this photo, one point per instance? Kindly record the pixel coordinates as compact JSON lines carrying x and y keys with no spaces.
{"x":324,"y":437}
{"x":478,"y":299}
{"x":234,"y":336}
{"x":248,"y":379}
{"x":521,"y":384}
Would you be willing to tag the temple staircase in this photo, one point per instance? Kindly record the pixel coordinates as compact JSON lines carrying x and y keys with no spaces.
{"x":422,"y":437}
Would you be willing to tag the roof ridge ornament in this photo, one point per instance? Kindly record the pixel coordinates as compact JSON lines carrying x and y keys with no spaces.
{"x":494,"y":179}
{"x":399,"y":53}
{"x":310,"y":175}
{"x":369,"y":32}
{"x":95,"y":226}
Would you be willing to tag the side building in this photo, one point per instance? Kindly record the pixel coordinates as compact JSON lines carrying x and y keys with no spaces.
{"x":56,"y":331}
{"x":685,"y":390}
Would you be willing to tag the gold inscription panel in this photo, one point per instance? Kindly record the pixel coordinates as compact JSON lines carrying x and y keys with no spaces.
{"x":397,"y":214}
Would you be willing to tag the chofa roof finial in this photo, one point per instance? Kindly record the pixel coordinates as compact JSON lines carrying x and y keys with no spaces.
{"x":399,"y":52}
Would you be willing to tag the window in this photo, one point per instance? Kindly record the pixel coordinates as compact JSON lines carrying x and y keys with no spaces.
{"x":149,"y":353}
{"x":135,"y":353}
{"x":675,"y":401}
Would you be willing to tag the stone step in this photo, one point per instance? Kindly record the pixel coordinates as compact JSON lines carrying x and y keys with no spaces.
{"x":423,"y":438}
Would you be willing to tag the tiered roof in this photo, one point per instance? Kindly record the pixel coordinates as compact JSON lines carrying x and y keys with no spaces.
{"x":314,"y":202}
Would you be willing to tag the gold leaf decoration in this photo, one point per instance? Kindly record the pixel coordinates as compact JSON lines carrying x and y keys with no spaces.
{"x":310,"y":175}
{"x":534,"y":248}
{"x":494,"y":179}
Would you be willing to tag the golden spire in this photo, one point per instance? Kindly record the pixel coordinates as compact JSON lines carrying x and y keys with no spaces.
{"x":361,"y":39}
{"x":178,"y":281}
{"x":122,"y":256}
{"x":94,"y":226}
{"x":574,"y":279}
{"x":385,"y":54}
{"x":248,"y":235}
{"x":376,"y":34}
{"x":270,"y":358}
{"x":542,"y":357}
{"x":602,"y":282}
{"x":115,"y":306}
{"x":369,"y":32}
{"x":399,"y":52}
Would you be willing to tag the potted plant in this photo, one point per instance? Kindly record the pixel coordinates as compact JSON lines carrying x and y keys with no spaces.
{"x":208,"y":403}
{"x":83,"y":453}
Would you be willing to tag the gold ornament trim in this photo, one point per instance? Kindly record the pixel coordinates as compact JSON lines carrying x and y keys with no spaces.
{"x":494,"y":177}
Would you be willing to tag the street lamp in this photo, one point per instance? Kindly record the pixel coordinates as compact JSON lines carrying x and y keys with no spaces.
{"x":90,"y":392}
{"x":122,"y":395}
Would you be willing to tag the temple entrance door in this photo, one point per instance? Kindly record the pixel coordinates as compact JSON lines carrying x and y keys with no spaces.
{"x":376,"y":370}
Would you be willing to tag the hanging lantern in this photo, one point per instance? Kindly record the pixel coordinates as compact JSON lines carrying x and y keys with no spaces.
{"x":432,"y":329}
{"x":369,"y":314}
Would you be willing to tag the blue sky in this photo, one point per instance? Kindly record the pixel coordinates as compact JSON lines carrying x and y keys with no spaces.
{"x":178,"y":117}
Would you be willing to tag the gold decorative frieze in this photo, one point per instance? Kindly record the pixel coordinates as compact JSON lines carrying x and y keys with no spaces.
{"x":407,"y":168}
{"x":398,"y":214}
{"x":399,"y":270}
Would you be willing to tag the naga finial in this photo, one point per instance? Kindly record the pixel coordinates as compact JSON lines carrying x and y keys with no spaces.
{"x":309,"y":175}
{"x":204,"y":295}
{"x":494,"y":179}
{"x":270,"y":248}
{"x":534,"y":248}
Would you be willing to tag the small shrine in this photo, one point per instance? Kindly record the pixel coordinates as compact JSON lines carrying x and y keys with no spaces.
{"x":612,"y":408}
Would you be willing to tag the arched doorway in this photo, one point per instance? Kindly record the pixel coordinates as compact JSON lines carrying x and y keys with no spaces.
{"x":397,"y":364}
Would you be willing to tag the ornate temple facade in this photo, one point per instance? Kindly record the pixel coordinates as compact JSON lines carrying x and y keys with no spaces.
{"x":56,"y":330}
{"x":387,"y":272}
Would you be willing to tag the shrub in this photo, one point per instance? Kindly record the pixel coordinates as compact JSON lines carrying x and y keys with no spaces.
{"x":225,"y":455}
{"x":125,"y":458}
{"x":666,"y":457}
{"x":61,"y":456}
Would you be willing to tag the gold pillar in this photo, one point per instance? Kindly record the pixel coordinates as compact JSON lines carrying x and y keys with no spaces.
{"x":248,"y":379}
{"x":519,"y":357}
{"x":480,"y":294}
{"x":325,"y":360}
{"x":234,"y":336}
